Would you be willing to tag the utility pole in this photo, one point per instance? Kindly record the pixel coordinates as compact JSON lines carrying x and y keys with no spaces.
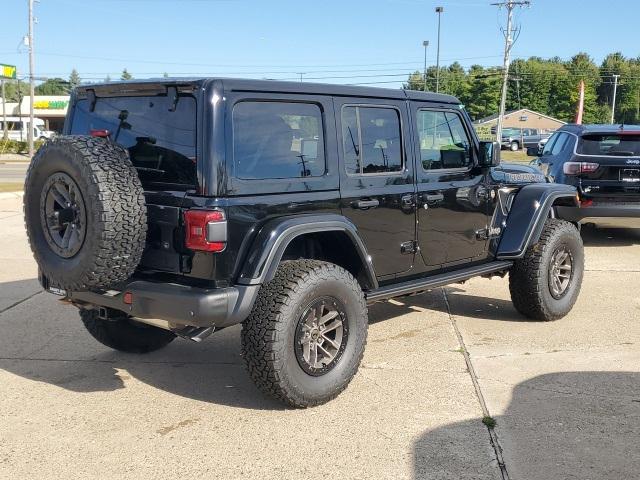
{"x":439,"y":11}
{"x":32,"y":87}
{"x":5,"y":127}
{"x":425,"y":44}
{"x":613,"y":103}
{"x":508,"y":37}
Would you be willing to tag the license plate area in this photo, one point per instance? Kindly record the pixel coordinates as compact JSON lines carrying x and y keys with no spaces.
{"x":630,"y":175}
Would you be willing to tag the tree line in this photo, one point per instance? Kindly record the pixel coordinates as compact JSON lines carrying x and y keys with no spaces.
{"x":548,"y":86}
{"x":52,"y":86}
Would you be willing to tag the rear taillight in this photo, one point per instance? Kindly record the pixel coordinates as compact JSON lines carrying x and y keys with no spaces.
{"x":100,"y":133}
{"x":205,"y":230}
{"x":576,"y":168}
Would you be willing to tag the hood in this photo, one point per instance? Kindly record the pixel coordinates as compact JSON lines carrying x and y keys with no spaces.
{"x":517,"y":173}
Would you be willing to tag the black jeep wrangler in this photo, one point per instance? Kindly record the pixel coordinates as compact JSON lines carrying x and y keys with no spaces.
{"x":179,"y":207}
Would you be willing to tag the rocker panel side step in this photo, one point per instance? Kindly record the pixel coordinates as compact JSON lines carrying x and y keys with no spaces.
{"x":439,"y":280}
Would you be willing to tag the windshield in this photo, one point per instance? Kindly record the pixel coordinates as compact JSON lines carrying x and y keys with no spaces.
{"x":160,"y":136}
{"x":626,"y":144}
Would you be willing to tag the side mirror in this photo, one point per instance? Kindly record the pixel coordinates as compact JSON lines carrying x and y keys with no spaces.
{"x":489,"y":154}
{"x":533,"y":151}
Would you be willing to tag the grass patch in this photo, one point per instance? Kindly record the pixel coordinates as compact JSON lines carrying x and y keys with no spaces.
{"x":519,"y":156}
{"x":11,"y":187}
{"x":490,"y":422}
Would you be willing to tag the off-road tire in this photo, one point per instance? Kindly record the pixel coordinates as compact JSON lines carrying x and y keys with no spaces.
{"x":529,"y":277}
{"x":125,"y":335}
{"x":514,"y":146}
{"x":114,"y":206}
{"x":268,"y":334}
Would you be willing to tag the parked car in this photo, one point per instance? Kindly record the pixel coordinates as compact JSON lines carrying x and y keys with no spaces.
{"x":603,"y":163}
{"x":179,"y":207}
{"x":18,"y":129}
{"x":517,"y":138}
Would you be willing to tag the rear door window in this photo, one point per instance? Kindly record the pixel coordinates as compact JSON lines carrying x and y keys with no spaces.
{"x":372,"y":140}
{"x":160,"y":136}
{"x":273,"y":140}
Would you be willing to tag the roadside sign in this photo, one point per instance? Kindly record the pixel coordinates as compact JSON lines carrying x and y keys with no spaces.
{"x":7,"y":71}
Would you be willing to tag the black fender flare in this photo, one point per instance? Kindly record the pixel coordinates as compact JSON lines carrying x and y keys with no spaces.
{"x":273,"y":238}
{"x":530,"y":209}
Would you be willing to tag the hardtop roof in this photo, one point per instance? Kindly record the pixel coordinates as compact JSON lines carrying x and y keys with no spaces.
{"x":277,"y":86}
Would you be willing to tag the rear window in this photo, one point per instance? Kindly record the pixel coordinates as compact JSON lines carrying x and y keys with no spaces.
{"x":625,"y":145}
{"x":161,"y":142}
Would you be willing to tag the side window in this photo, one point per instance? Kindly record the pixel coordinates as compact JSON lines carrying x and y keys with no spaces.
{"x":371,"y":140}
{"x":278,"y":140}
{"x":559,"y":145}
{"x":550,"y":143}
{"x":443,"y":140}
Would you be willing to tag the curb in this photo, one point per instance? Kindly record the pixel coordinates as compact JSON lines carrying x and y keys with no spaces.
{"x":7,"y":195}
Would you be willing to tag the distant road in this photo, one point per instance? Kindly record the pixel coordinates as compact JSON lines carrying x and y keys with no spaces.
{"x":11,"y":172}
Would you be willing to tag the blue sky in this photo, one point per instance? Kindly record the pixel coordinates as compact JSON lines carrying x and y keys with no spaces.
{"x":349,"y":41}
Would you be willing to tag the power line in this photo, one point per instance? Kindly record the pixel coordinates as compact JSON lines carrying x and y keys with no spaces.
{"x":508,"y":44}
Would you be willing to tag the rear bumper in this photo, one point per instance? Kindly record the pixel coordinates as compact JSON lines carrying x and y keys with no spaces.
{"x":611,"y":215}
{"x":177,"y":304}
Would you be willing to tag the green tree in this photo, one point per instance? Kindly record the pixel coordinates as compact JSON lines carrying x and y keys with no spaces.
{"x":483,"y":95}
{"x":53,"y":86}
{"x":455,"y":80}
{"x":415,"y":81}
{"x":74,"y":79}
{"x":125,"y":75}
{"x":14,"y":91}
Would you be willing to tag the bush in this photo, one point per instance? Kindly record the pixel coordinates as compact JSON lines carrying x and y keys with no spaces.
{"x":15,"y":146}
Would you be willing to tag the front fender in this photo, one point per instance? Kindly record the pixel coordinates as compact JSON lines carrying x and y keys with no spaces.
{"x":528,"y":213}
{"x":274,"y":237}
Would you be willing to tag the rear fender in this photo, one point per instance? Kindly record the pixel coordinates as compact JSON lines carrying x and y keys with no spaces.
{"x":531,"y":207}
{"x":273,"y":239}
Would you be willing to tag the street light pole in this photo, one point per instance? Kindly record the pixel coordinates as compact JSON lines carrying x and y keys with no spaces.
{"x":425,"y":44}
{"x":439,"y":11}
{"x":31,"y":80}
{"x":613,"y":103}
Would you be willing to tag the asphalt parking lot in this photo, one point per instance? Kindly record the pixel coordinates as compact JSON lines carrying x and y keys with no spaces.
{"x":565,"y":395}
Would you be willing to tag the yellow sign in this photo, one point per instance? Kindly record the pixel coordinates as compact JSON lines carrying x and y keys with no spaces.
{"x":50,"y":104}
{"x":7,"y":71}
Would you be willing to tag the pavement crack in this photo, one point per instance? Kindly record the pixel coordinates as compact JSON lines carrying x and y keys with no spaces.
{"x":20,"y":301}
{"x":493,"y":436}
{"x":610,"y":270}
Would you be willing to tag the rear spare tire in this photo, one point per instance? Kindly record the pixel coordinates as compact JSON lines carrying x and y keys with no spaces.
{"x":85,"y":212}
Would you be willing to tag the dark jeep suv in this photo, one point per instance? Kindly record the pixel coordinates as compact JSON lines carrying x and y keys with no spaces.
{"x":179,"y":207}
{"x":603,"y":163}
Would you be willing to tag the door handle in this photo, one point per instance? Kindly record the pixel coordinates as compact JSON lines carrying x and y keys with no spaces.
{"x":434,"y":197}
{"x":366,"y":204}
{"x":408,"y":201}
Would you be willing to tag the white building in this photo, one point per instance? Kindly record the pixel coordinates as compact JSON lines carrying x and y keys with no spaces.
{"x":50,"y":108}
